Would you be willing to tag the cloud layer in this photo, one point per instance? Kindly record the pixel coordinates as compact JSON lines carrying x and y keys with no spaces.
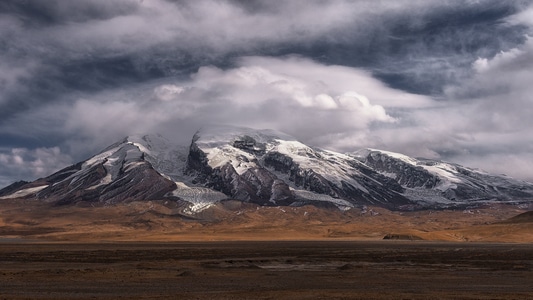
{"x":24,"y":163}
{"x":440,"y":79}
{"x":292,"y":94}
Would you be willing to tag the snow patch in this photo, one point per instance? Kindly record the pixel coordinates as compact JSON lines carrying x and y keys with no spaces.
{"x":222,"y":155}
{"x":99,"y":158}
{"x":426,"y":197}
{"x":218,"y":144}
{"x":398,"y":156}
{"x":199,"y":197}
{"x":24,"y":192}
{"x":447,"y":174}
{"x":334,"y":167}
{"x":167,"y":158}
{"x":310,"y":196}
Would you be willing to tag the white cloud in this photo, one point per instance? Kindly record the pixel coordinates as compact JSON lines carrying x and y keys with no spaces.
{"x":211,"y":27}
{"x":167,"y":92}
{"x":336,"y":107}
{"x":24,"y":163}
{"x":486,"y":121}
{"x":499,"y":93}
{"x":500,"y":60}
{"x":319,"y":77}
{"x":299,"y":96}
{"x":308,"y":99}
{"x":524,"y":17}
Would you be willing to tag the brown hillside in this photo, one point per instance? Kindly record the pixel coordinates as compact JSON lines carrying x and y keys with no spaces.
{"x":233,"y":220}
{"x":526,"y":217}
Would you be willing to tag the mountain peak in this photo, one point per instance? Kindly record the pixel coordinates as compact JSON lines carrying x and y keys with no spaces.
{"x":216,"y":135}
{"x":266,"y":167}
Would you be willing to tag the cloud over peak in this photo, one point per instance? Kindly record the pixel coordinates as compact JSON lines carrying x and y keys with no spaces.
{"x":443,"y":79}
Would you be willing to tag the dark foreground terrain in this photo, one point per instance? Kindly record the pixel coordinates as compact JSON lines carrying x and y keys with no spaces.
{"x":266,"y":270}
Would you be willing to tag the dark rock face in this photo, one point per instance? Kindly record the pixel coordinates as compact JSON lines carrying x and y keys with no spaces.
{"x":255,"y":185}
{"x":61,"y":190}
{"x":381,"y":190}
{"x":467,"y":186}
{"x":261,"y":185}
{"x":304,"y":178}
{"x":75,"y":184}
{"x":249,"y":144}
{"x":406,"y":174}
{"x":197,"y":164}
{"x":143,"y":182}
{"x":13,"y":187}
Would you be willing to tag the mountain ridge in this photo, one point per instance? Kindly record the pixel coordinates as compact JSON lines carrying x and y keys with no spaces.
{"x":268,"y":168}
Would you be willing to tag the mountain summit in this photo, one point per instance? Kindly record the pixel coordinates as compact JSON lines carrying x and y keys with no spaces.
{"x":268,"y":168}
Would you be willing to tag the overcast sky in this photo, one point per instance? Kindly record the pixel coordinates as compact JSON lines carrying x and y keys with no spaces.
{"x":449,"y":80}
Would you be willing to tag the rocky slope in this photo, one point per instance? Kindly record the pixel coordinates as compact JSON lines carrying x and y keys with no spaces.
{"x":272,"y":168}
{"x":120,"y":173}
{"x":268,"y":168}
{"x":428,"y":182}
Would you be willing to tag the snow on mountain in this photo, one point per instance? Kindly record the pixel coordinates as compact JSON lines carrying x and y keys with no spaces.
{"x":446,"y":173}
{"x":166,"y":157}
{"x":200,"y":198}
{"x":268,"y":168}
{"x":224,"y":158}
{"x":24,"y":192}
{"x":219,"y":143}
{"x":241,"y":147}
{"x":432,"y":181}
{"x":119,"y":173}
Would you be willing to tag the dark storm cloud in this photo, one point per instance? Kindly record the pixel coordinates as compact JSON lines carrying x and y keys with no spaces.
{"x":24,"y":163}
{"x":73,"y":46}
{"x":75,"y":75}
{"x":421,"y":51}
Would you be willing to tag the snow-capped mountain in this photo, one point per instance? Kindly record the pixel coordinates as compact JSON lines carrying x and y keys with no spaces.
{"x":121,"y":172}
{"x":272,"y":168}
{"x":430,"y":181}
{"x":268,"y":168}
